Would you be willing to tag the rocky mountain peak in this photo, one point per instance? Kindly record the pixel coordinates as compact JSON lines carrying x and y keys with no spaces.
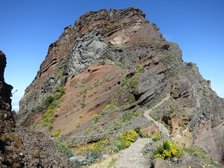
{"x":119,"y":26}
{"x":95,"y":36}
{"x":113,"y":71}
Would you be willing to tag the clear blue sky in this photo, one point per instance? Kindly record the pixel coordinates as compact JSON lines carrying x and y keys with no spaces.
{"x":28,"y":27}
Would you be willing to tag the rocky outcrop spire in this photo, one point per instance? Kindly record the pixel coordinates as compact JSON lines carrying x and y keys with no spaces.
{"x":6,"y":117}
{"x":2,"y":65}
{"x":5,"y":89}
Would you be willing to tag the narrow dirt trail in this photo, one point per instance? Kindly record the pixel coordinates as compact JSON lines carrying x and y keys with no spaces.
{"x":163,"y":130}
{"x":132,"y":157}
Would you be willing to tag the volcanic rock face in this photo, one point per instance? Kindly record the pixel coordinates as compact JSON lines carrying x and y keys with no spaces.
{"x":18,"y":146}
{"x":111,"y":63}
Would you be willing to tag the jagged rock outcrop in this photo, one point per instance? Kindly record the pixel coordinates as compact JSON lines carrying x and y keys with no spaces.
{"x":18,"y":146}
{"x":5,"y":89}
{"x":6,"y":119}
{"x":111,"y":63}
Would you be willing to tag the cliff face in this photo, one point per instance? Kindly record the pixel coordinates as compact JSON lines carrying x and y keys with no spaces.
{"x":18,"y":146}
{"x":113,"y":63}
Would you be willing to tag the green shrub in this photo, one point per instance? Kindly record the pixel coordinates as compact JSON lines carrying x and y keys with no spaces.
{"x":157,"y":137}
{"x":116,"y":126}
{"x":140,"y":133}
{"x":96,"y":118}
{"x":56,"y":133}
{"x":125,"y":139}
{"x":82,"y":105}
{"x":110,"y":106}
{"x":138,"y":129}
{"x":58,"y":93}
{"x":93,"y":157}
{"x":39,"y":108}
{"x":129,"y":84}
{"x":49,"y":100}
{"x":128,"y":115}
{"x":64,"y":149}
{"x":168,"y":150}
{"x":115,"y":149}
{"x":79,"y":84}
{"x":139,"y":68}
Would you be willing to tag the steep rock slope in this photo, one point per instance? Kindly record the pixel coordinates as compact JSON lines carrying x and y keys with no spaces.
{"x":114,"y":64}
{"x":18,"y":146}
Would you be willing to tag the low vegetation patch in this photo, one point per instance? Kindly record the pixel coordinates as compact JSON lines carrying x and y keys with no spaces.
{"x":139,"y":68}
{"x":79,"y":84}
{"x":112,"y":163}
{"x":110,"y":106}
{"x":96,"y":118}
{"x":125,"y":139}
{"x":168,"y":150}
{"x":56,"y":133}
{"x":64,"y":149}
{"x":128,"y":115}
{"x":98,"y":146}
{"x":156,"y":137}
{"x":52,"y":101}
{"x":140,"y":133}
{"x":198,"y":152}
{"x":94,"y":151}
{"x":59,"y":92}
{"x":49,"y":100}
{"x":48,"y":117}
{"x":129,"y":83}
{"x":116,"y":126}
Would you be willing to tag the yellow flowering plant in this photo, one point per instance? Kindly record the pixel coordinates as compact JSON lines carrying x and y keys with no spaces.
{"x":168,"y":150}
